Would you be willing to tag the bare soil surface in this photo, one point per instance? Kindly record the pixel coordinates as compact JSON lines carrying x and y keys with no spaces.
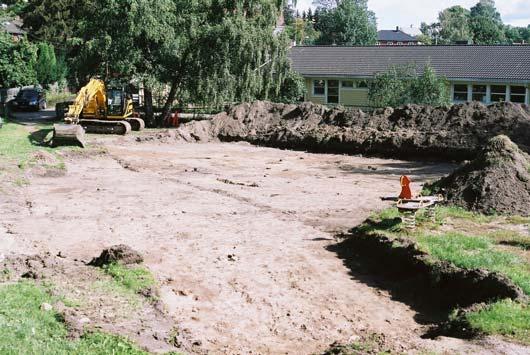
{"x":238,"y":237}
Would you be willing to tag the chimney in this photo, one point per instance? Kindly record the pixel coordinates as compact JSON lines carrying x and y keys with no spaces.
{"x":397,"y":29}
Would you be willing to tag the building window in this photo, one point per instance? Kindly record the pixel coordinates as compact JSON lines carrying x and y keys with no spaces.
{"x":480,"y":93}
{"x":362,"y":84}
{"x":333,"y":91}
{"x":518,"y":94}
{"x":400,"y":43}
{"x":498,"y":93}
{"x":460,"y":93}
{"x":347,"y":84}
{"x":319,"y":88}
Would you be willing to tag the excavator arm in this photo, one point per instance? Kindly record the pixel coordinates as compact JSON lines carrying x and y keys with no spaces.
{"x":90,"y":98}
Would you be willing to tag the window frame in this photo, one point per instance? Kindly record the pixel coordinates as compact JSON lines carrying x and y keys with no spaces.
{"x":353,"y":85}
{"x":484,"y":93}
{"x":466,"y":92}
{"x":519,"y":95}
{"x":494,"y":92}
{"x":333,"y":87}
{"x":325,"y":87}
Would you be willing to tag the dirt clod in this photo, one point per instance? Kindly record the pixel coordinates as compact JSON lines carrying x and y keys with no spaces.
{"x":122,"y":254}
{"x":498,"y":181}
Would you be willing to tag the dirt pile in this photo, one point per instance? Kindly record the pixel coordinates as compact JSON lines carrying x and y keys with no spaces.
{"x":450,"y":133}
{"x":121,"y":254}
{"x":497,"y":181}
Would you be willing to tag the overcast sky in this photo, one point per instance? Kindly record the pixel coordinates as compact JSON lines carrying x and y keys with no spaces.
{"x":403,"y":13}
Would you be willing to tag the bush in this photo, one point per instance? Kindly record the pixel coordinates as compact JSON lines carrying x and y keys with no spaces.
{"x":401,"y":85}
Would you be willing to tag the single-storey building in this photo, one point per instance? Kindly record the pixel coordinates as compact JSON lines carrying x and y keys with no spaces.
{"x":395,"y":38}
{"x":340,"y":75}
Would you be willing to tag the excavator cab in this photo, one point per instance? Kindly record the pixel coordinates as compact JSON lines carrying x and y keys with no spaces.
{"x":116,"y":100}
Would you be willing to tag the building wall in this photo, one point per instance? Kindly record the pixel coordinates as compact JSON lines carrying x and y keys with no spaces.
{"x":354,"y":96}
{"x":358,"y":97}
{"x":309,"y":93}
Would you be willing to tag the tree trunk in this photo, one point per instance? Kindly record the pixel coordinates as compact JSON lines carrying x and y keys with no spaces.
{"x":149,"y":115}
{"x":169,"y":102}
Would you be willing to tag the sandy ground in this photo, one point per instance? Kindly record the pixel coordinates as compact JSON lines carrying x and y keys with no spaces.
{"x":237,"y":237}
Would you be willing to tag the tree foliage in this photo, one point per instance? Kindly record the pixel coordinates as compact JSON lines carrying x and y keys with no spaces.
{"x":486,"y":23}
{"x":480,"y":25}
{"x":349,"y":23}
{"x":454,"y":25}
{"x":17,"y":62}
{"x":292,"y":89}
{"x":401,"y":85}
{"x":46,"y":65}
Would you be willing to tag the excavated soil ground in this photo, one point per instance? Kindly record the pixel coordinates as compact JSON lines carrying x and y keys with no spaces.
{"x":238,"y":237}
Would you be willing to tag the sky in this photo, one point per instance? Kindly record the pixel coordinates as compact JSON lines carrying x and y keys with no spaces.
{"x":404,"y":13}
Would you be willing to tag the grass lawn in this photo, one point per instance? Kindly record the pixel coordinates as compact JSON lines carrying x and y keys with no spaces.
{"x":470,"y":240}
{"x":17,"y":141}
{"x":25,"y":328}
{"x":136,"y":279}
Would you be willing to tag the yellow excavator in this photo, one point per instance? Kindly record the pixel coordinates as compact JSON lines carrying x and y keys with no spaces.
{"x":97,"y":109}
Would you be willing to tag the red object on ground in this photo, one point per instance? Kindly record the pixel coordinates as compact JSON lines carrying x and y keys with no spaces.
{"x":172,"y":120}
{"x":406,"y":193}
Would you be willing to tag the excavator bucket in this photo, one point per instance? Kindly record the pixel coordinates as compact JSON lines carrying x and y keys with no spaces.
{"x":68,"y":134}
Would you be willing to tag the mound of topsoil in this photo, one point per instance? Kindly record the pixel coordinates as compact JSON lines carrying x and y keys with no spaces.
{"x":497,"y":181}
{"x":121,"y":254}
{"x":436,"y":133}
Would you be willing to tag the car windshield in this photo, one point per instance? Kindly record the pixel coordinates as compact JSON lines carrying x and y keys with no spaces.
{"x":28,"y":95}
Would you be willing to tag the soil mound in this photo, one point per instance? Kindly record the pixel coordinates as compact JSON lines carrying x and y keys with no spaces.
{"x":442,"y":133}
{"x":121,"y":254}
{"x":497,"y":181}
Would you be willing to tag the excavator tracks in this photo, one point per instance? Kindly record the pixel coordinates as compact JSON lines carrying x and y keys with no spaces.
{"x":137,"y":124}
{"x":120,"y":127}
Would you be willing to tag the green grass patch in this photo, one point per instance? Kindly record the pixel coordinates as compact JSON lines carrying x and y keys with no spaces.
{"x":27,"y":329}
{"x":509,"y":237}
{"x":459,"y":244}
{"x":508,"y":318}
{"x":136,"y":279}
{"x":16,"y":143}
{"x":444,"y":212}
{"x":477,"y":253}
{"x":518,"y":220}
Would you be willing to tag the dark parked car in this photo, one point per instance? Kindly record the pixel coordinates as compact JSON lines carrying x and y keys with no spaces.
{"x":29,"y":99}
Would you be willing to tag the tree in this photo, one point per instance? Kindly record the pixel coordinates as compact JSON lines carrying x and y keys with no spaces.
{"x":350,"y":23}
{"x":302,"y":32}
{"x":401,"y":85}
{"x":46,"y":65}
{"x":430,"y":89}
{"x":17,"y":62}
{"x":430,"y":34}
{"x":55,"y":21}
{"x":289,"y":14}
{"x":454,"y":25}
{"x":486,"y":23}
{"x":517,"y":34}
{"x":292,"y":89}
{"x":230,"y":54}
